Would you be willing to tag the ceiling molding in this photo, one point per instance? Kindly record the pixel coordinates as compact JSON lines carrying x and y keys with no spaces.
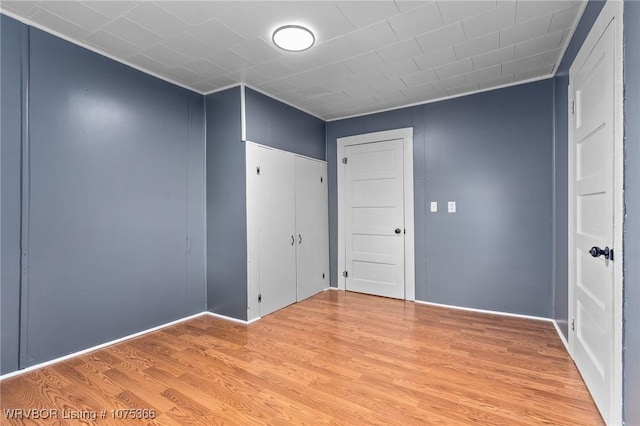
{"x":570,"y":36}
{"x":222,"y":89}
{"x":446,"y":98}
{"x":30,"y":23}
{"x":369,"y":57}
{"x":284,"y":102}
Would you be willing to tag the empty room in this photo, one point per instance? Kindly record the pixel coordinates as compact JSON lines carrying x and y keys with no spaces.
{"x":386,"y":212}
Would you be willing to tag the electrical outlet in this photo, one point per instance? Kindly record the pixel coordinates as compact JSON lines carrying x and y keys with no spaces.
{"x":434,"y":206}
{"x":451,"y":206}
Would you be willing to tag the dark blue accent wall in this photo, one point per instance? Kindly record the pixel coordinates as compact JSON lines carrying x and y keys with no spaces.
{"x":273,"y":123}
{"x":13,"y":51}
{"x":561,"y":161}
{"x":632,"y":219}
{"x":226,"y":206}
{"x":114,"y":209}
{"x":491,"y":153}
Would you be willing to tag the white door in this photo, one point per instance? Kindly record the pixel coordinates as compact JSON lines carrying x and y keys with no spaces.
{"x":374,"y":225}
{"x":592,"y":219}
{"x":312,"y":227}
{"x":276,"y":210}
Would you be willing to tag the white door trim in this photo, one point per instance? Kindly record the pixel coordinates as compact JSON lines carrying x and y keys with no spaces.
{"x":409,"y":252}
{"x":612,"y":11}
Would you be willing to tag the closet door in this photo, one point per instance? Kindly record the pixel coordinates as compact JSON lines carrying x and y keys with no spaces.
{"x":277,"y":237}
{"x":312,"y":227}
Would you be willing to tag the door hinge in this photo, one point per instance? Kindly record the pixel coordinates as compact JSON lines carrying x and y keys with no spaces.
{"x":259,"y":298}
{"x":573,"y":324}
{"x":344,"y":160}
{"x":258,"y":170}
{"x":345,"y":274}
{"x":573,"y":107}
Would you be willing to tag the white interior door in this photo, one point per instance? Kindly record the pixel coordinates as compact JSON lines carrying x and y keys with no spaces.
{"x":277,"y":269}
{"x":374,"y":225}
{"x":312,"y":227}
{"x":592,"y":218}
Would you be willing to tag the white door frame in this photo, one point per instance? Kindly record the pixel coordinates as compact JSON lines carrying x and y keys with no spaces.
{"x":612,"y":11}
{"x":409,"y":255}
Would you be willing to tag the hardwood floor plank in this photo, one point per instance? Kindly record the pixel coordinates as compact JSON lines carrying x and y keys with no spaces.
{"x":337,"y":358}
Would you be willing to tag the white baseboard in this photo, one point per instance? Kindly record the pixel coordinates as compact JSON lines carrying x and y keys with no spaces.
{"x":485,"y":311}
{"x":224,"y":317}
{"x":331,"y":288}
{"x":508,"y":314}
{"x":100,"y":346}
{"x":564,"y":341}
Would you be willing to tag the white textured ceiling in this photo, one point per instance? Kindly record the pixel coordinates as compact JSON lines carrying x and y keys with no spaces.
{"x":369,"y":55}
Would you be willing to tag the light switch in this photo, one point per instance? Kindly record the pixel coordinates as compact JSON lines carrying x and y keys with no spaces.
{"x":434,"y":206}
{"x":451,"y":206}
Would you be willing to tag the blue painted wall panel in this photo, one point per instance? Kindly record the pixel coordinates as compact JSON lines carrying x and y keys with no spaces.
{"x":273,"y":123}
{"x":226,"y":206}
{"x":632,"y":220}
{"x":13,"y":39}
{"x":490,"y":152}
{"x":196,"y":202}
{"x":561,"y":159}
{"x":108,"y":201}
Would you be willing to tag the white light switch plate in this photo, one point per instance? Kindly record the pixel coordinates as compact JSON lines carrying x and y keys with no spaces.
{"x":451,"y":206}
{"x":434,"y":206}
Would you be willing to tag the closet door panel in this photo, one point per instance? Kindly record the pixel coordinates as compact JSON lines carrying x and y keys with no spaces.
{"x":312,"y":223}
{"x":276,"y":210}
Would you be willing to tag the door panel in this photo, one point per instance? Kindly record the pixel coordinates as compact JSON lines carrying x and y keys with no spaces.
{"x":312,"y":227}
{"x":277,"y":270}
{"x":374,"y":194}
{"x":593,"y":182}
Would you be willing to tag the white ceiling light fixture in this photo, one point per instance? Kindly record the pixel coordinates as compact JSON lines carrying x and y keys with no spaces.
{"x":293,"y":38}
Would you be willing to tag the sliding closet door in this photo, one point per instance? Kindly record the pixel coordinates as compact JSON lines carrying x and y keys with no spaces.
{"x":312,"y":233}
{"x":277,"y":239}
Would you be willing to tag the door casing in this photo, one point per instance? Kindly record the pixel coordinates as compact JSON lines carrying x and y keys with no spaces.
{"x":409,"y":246}
{"x":612,"y":11}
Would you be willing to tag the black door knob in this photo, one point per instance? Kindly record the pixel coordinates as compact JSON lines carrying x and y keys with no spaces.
{"x":398,"y":230}
{"x":597,"y":252}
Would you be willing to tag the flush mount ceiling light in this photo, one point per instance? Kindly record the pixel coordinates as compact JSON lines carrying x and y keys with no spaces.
{"x":293,"y":38}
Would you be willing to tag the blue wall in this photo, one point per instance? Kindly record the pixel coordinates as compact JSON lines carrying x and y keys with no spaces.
{"x":273,"y":123}
{"x":115,"y":212}
{"x":14,"y":43}
{"x":561,"y":161}
{"x":491,"y":152}
{"x":632,"y":219}
{"x":226,"y":206}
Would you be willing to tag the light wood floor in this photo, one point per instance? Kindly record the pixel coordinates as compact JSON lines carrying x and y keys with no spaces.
{"x":337,"y":358}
